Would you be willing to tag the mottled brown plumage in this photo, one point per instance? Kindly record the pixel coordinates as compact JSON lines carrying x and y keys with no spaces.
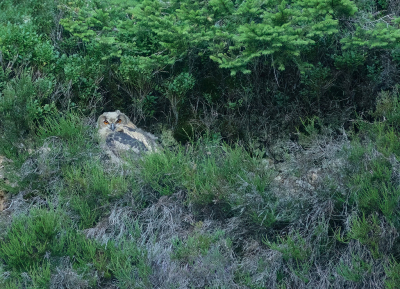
{"x":117,"y":133}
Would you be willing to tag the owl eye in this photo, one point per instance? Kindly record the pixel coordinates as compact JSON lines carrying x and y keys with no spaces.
{"x":119,"y":121}
{"x":106,"y":122}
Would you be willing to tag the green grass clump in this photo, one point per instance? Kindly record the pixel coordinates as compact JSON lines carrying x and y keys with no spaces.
{"x":128,"y":261}
{"x":209,"y":172}
{"x":393,"y":275}
{"x":163,"y":172}
{"x":35,"y":243}
{"x":372,"y":174}
{"x":29,"y":237}
{"x":90,"y":188}
{"x":71,"y":130}
{"x":42,"y":231}
{"x":197,"y":244}
{"x":292,"y":247}
{"x":219,"y":171}
{"x":40,"y":157}
{"x":368,"y":232}
{"x":356,"y":270}
{"x":388,"y":106}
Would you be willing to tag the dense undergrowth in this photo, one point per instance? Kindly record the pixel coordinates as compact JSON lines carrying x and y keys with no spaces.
{"x":279,"y":123}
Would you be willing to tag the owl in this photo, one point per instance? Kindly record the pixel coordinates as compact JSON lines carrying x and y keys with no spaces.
{"x":119,"y":134}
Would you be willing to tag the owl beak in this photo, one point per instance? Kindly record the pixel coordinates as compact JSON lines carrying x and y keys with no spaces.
{"x":112,"y":127}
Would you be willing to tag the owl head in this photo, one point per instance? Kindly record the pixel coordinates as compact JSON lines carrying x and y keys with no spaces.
{"x":112,"y":120}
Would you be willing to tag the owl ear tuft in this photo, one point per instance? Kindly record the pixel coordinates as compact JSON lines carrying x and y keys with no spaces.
{"x":124,"y":116}
{"x":100,"y":120}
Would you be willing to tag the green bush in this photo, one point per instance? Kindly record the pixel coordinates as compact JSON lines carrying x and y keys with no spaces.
{"x":85,"y":74}
{"x":229,"y":79}
{"x":30,"y":237}
{"x":24,"y":103}
{"x":145,"y":45}
{"x":33,"y":238}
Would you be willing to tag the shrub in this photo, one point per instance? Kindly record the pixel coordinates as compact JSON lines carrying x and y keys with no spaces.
{"x":30,"y":237}
{"x":33,"y":238}
{"x":23,"y":104}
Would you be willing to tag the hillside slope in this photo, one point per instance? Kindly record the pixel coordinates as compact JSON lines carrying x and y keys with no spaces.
{"x":279,"y":123}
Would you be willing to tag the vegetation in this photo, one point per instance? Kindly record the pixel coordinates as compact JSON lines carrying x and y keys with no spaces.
{"x":280,"y":126}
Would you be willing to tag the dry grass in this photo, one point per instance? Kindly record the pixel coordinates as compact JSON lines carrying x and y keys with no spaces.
{"x":284,"y":235}
{"x":3,"y":200}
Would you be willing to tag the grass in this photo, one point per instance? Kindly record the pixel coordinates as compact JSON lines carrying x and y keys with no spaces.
{"x":200,"y":215}
{"x":318,"y":211}
{"x":90,"y":188}
{"x":210,"y":173}
{"x":188,"y":250}
{"x":36,"y":243}
{"x":206,"y":207}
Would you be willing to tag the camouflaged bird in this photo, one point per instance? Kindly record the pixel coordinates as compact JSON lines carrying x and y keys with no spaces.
{"x":119,"y":134}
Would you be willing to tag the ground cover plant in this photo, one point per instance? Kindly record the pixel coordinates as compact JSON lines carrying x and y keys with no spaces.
{"x":279,"y":127}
